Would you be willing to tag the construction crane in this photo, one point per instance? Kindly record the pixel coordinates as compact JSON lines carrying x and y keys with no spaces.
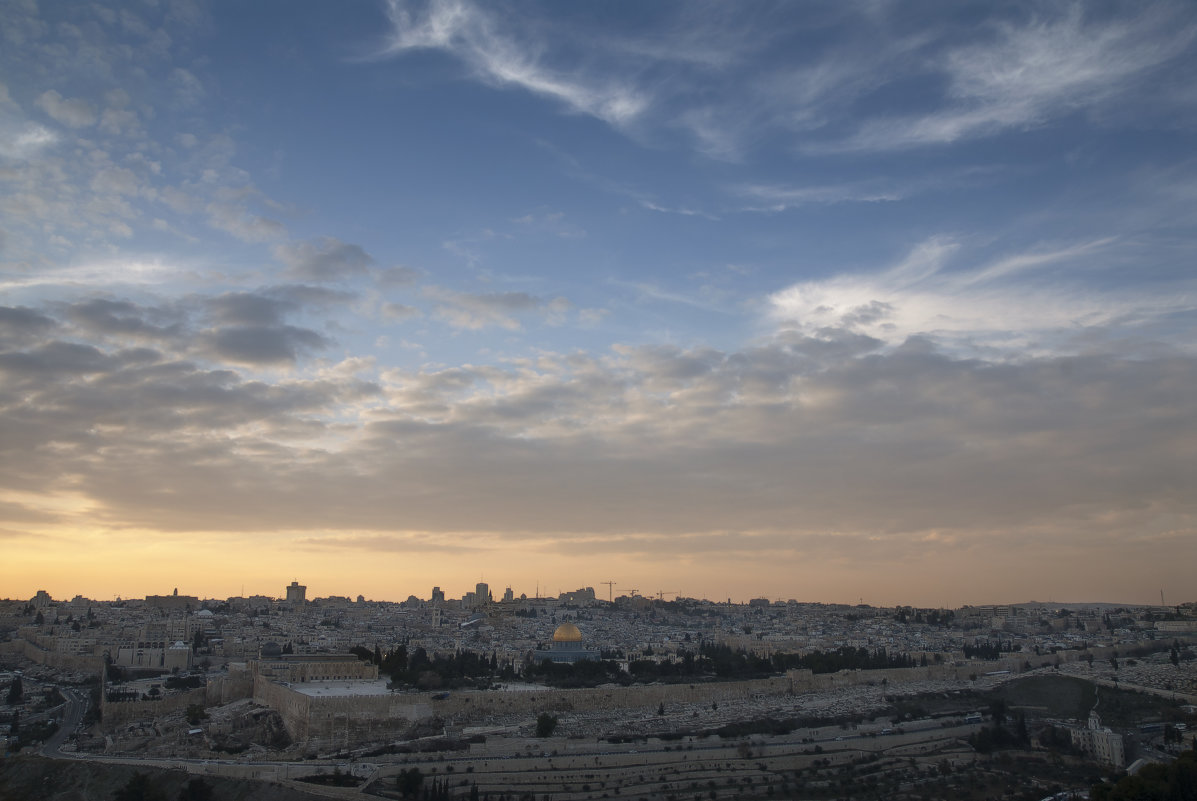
{"x":610,"y":590}
{"x":633,"y":593}
{"x":661,"y":594}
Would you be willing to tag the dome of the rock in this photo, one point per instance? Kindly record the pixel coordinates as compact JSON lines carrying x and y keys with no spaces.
{"x":567,"y":632}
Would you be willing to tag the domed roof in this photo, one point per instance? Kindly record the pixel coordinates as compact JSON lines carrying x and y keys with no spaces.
{"x":567,"y":632}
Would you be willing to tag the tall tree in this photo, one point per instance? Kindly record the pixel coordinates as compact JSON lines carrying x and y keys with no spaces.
{"x":545,"y":723}
{"x":409,"y":782}
{"x":196,"y":789}
{"x":139,"y":788}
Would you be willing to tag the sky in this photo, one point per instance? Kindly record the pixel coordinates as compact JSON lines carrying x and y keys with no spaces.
{"x":881,"y":302}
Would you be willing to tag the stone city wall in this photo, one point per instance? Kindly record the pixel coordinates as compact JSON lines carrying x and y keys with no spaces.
{"x":239,"y":683}
{"x":292,"y":706}
{"x":342,"y":721}
{"x":54,"y":659}
{"x":217,"y":691}
{"x":345,"y":721}
{"x":804,"y":681}
{"x":114,"y":713}
{"x":471,"y":706}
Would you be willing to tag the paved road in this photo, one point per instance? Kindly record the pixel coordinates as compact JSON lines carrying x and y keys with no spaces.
{"x":72,"y":716}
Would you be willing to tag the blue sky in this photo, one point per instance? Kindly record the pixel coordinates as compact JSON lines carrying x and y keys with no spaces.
{"x":815,"y":300}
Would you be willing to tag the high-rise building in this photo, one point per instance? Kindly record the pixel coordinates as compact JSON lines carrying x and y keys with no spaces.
{"x":438,"y":595}
{"x":482,"y":593}
{"x":508,"y":596}
{"x":297,"y":593}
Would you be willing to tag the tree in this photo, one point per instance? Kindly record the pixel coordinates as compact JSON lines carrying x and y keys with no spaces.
{"x":428,"y":680}
{"x":408,"y":782}
{"x":1177,"y":780}
{"x":15,"y":692}
{"x":545,"y":724}
{"x":196,"y":789}
{"x":138,"y":788}
{"x":395,"y":662}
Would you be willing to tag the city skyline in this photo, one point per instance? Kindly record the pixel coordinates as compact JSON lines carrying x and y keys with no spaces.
{"x":889,"y":301}
{"x":465,"y":594}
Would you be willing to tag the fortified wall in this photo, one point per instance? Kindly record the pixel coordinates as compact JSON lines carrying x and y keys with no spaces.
{"x":470,"y":706}
{"x":342,"y":721}
{"x":114,"y":713}
{"x":21,"y":647}
{"x":218,"y":691}
{"x":802,"y":681}
{"x":346,"y":720}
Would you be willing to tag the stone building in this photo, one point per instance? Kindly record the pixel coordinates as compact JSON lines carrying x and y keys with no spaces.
{"x":1103,"y":743}
{"x":297,"y":594}
{"x":300,"y":668}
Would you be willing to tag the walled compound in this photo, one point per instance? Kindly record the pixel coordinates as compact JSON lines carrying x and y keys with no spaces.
{"x":332,"y":712}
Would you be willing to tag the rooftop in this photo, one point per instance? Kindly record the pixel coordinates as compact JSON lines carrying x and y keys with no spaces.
{"x":342,"y":689}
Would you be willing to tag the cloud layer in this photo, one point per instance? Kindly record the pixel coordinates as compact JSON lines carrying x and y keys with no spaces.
{"x":757,"y":296}
{"x":1017,"y":304}
{"x":799,"y":438}
{"x":717,"y":76}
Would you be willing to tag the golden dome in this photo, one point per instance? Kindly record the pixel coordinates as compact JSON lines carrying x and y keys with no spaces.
{"x":567,"y":632}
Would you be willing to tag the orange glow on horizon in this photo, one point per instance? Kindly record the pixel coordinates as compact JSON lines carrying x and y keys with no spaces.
{"x":102,"y":565}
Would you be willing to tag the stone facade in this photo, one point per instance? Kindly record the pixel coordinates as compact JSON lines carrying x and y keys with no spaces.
{"x":218,"y":690}
{"x":50,"y":658}
{"x":1104,"y":744}
{"x":314,"y":667}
